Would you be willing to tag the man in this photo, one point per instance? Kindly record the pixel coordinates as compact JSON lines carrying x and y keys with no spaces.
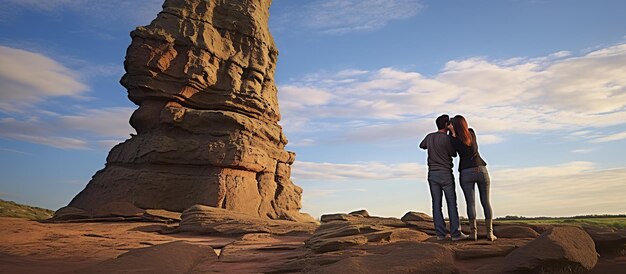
{"x":441,"y":179}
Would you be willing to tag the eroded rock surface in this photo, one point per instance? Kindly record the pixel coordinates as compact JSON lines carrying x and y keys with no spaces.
{"x":608,"y":241}
{"x":202,"y":74}
{"x":174,"y":257}
{"x":564,"y":249}
{"x":210,"y":220}
{"x":386,"y":246}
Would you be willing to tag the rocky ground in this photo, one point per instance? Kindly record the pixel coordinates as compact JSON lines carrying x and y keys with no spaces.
{"x":211,"y":240}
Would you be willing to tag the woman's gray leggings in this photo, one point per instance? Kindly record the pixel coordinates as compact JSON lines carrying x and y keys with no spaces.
{"x":476,"y":176}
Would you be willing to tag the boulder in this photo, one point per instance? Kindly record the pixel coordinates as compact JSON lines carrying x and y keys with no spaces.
{"x":608,"y":241}
{"x":69,"y":213}
{"x":362,"y":213}
{"x":207,"y":132}
{"x":564,"y":249}
{"x":117,"y":209}
{"x":507,"y":231}
{"x":416,"y":216}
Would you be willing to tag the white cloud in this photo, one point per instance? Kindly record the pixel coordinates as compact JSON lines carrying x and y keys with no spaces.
{"x":104,"y":122}
{"x":82,"y":130}
{"x":341,"y":16}
{"x":356,"y":171}
{"x":610,"y":138}
{"x":565,"y":189}
{"x":582,"y":150}
{"x":555,"y":190}
{"x":487,"y":139}
{"x":519,"y":95}
{"x":29,"y":77}
{"x":53,"y":141}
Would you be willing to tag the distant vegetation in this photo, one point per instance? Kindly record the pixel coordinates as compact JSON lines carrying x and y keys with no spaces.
{"x":614,"y":221}
{"x":13,"y":209}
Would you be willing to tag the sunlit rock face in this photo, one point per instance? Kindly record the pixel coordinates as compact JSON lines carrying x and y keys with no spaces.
{"x":202,"y":74}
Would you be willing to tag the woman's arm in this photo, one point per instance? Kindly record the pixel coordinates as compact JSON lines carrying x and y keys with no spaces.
{"x":451,"y":128}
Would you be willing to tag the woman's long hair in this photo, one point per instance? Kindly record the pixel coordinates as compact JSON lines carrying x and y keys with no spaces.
{"x":462,"y":130}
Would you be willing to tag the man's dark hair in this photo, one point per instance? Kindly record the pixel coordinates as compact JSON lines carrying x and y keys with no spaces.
{"x":442,"y":121}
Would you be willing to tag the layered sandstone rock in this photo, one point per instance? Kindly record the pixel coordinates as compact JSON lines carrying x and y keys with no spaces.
{"x":202,"y":74}
{"x":216,"y":221}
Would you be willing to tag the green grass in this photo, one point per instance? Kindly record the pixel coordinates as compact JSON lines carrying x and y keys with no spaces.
{"x":15,"y":210}
{"x":613,"y":222}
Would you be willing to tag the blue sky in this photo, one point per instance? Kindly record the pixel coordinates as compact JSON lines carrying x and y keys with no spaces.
{"x":360,"y":82}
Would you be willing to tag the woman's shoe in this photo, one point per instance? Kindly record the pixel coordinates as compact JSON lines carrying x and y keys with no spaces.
{"x":473,"y":235}
{"x":489,"y":226}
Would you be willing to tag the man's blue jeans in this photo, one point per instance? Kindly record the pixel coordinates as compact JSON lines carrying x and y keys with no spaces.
{"x":442,"y":182}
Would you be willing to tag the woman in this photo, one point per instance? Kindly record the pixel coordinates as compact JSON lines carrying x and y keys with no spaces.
{"x":472,"y":172}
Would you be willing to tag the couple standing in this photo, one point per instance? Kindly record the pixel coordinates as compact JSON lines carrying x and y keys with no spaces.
{"x":441,"y":148}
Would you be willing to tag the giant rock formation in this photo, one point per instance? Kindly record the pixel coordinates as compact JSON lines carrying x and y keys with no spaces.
{"x":202,"y":74}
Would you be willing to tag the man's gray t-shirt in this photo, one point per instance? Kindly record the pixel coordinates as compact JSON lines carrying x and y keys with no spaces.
{"x":440,"y":151}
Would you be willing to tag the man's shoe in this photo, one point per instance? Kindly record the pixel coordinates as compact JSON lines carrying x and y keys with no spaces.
{"x":441,"y":238}
{"x":461,"y":237}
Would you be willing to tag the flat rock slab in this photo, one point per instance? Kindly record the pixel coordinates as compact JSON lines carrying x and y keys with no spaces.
{"x":467,"y":250}
{"x":174,"y":257}
{"x":404,"y":257}
{"x":35,"y":247}
{"x":260,"y":253}
{"x":210,"y":220}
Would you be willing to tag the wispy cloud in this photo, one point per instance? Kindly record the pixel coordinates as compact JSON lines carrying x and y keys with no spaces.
{"x":28,"y":78}
{"x":82,"y":130}
{"x":342,"y":16}
{"x":564,"y":189}
{"x":610,"y":138}
{"x":356,"y":171}
{"x":499,"y":97}
{"x":132,"y":11}
{"x":13,"y":151}
{"x":582,"y":150}
{"x":554,"y":190}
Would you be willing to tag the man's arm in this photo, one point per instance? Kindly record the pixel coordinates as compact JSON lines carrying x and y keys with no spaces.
{"x":423,"y":143}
